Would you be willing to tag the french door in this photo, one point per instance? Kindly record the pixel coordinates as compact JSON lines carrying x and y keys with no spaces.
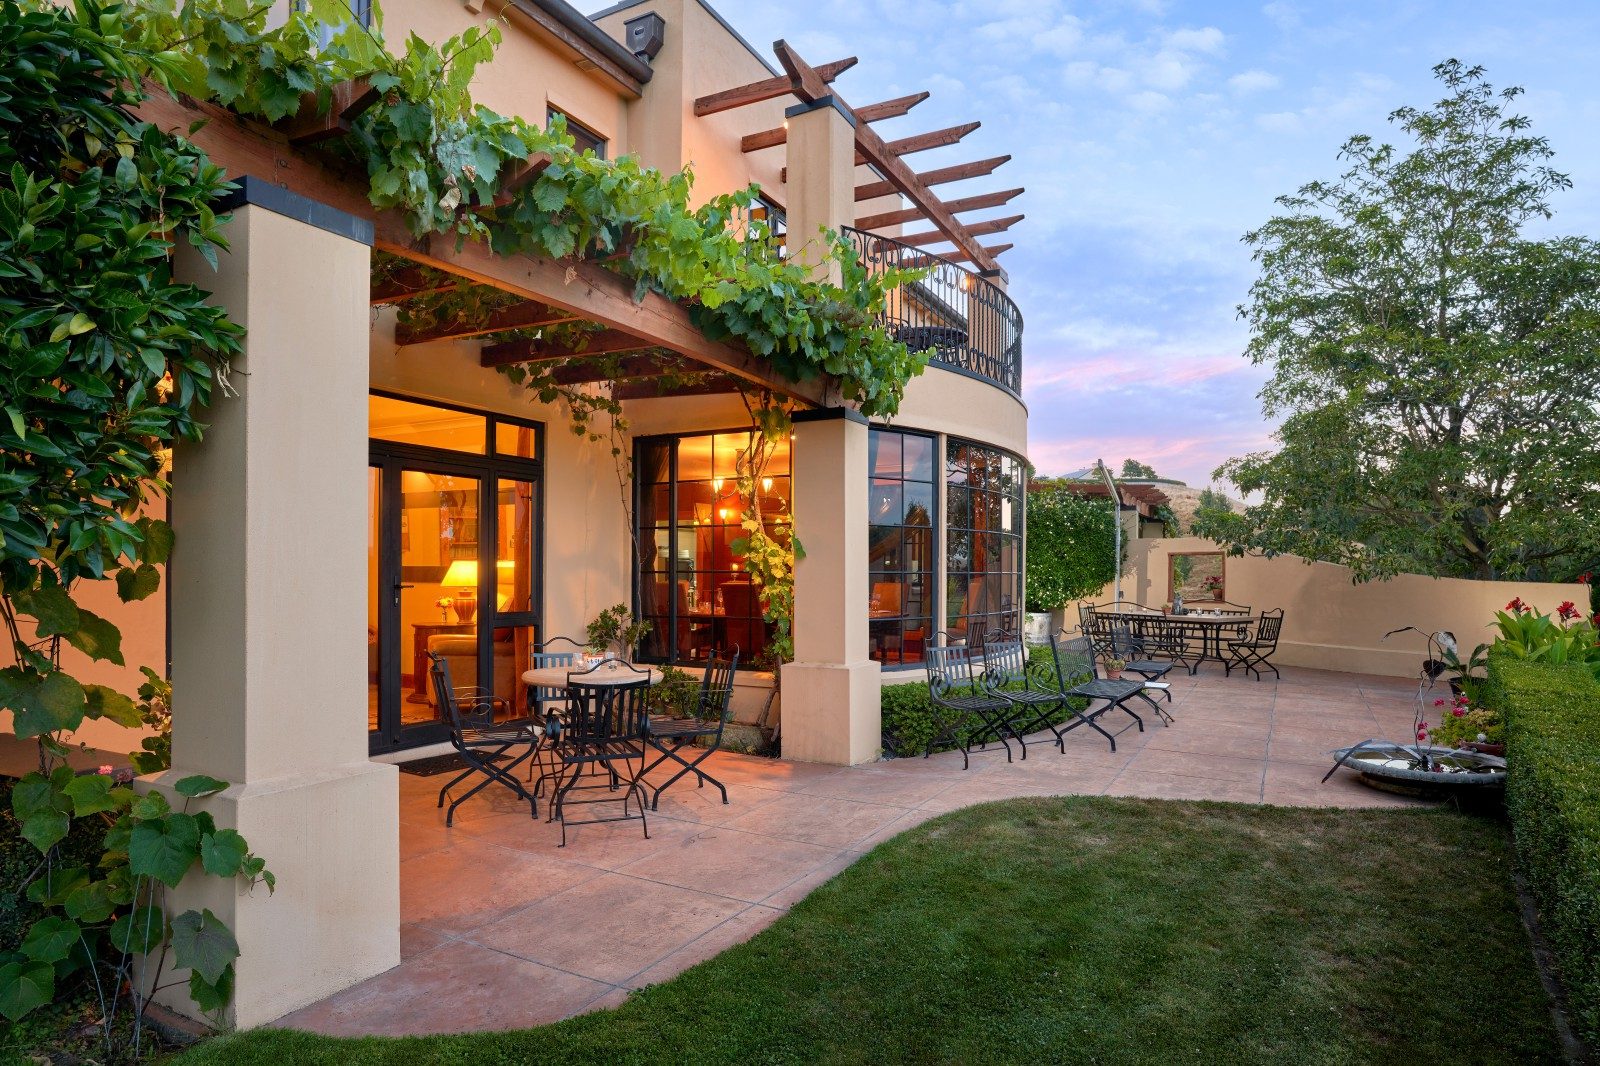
{"x":453,"y":571}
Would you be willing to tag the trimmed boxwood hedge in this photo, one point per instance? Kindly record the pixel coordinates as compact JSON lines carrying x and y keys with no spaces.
{"x":1552,"y":718}
{"x":908,"y":722}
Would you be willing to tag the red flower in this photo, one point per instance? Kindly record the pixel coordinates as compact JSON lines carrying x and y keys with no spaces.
{"x":1438,"y":703}
{"x":1516,"y":606}
{"x":1459,"y":711}
{"x":1567,"y":611}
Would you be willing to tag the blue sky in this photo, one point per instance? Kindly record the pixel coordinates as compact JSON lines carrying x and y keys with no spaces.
{"x":1150,"y":136}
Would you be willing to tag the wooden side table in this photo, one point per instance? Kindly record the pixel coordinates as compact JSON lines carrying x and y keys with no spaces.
{"x":420,"y":632}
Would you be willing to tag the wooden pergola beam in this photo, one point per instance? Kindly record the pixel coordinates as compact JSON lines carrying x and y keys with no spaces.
{"x":531,"y":314}
{"x":921,"y":142}
{"x":650,"y":390}
{"x":766,"y":89}
{"x":958,"y":256}
{"x":587,"y":372}
{"x":526,"y":350}
{"x":954,"y":207}
{"x":940,"y":176}
{"x":754,"y":142}
{"x":977,"y":229}
{"x":408,"y":282}
{"x":585,"y":289}
{"x":807,"y":84}
{"x":309,"y":124}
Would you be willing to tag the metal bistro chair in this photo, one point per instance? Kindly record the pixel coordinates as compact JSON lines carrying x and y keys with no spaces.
{"x":1253,"y":653}
{"x":485,"y":747}
{"x":959,"y":702}
{"x":545,"y":705}
{"x":669,"y":736}
{"x":1132,"y":650}
{"x":1077,"y":679}
{"x":1006,"y":675}
{"x":604,"y":740}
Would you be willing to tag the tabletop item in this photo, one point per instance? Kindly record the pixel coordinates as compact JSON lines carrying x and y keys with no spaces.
{"x":614,"y":673}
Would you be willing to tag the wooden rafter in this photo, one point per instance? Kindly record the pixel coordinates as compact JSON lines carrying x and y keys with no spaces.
{"x":912,"y":262}
{"x":309,"y":124}
{"x":954,"y":207}
{"x":651,"y":390}
{"x":921,"y":142}
{"x":977,"y":229}
{"x":754,"y":142}
{"x":809,"y":86}
{"x":940,"y":176}
{"x":411,"y":281}
{"x":528,"y":315}
{"x":766,"y":89}
{"x":585,"y":289}
{"x":525,"y":350}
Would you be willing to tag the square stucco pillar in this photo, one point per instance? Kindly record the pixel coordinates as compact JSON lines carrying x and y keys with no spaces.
{"x":821,"y":161}
{"x":269,"y":614}
{"x":831,"y":691}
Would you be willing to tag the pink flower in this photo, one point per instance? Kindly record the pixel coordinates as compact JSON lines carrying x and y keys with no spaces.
{"x":105,"y":770}
{"x":1459,"y":711}
{"x":1567,"y":611}
{"x":1438,"y":703}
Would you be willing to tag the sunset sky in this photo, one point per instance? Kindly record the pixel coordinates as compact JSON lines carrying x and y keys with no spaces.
{"x":1150,"y":136}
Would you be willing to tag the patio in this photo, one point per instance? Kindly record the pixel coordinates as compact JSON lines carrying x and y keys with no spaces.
{"x":499,"y":925}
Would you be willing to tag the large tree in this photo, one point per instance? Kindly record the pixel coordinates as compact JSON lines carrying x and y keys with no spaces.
{"x":1435,"y":368}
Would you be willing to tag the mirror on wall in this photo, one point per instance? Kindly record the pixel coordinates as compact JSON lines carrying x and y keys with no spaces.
{"x":1197,"y":577}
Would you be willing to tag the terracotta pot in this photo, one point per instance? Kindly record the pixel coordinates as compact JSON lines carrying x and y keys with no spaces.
{"x":1113,"y":675}
{"x":1216,"y":594}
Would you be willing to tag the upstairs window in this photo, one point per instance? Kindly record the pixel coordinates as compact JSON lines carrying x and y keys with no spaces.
{"x":584,"y":138}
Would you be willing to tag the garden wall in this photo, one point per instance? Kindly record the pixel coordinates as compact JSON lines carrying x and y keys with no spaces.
{"x":1329,"y":622}
{"x":1552,"y":718}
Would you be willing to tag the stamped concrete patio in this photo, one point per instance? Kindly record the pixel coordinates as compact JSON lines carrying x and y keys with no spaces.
{"x":503,"y":929}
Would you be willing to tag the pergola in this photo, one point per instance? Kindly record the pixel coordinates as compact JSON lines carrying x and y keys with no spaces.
{"x":812,"y":85}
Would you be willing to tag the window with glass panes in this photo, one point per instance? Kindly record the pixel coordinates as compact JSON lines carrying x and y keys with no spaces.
{"x":983,"y":542}
{"x":692,"y":585}
{"x":900,"y":545}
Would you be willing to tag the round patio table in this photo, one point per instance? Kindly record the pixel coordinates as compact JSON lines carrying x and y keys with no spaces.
{"x":1211,"y":626}
{"x":610,"y":674}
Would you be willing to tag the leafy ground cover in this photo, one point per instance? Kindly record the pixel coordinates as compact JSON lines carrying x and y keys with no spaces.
{"x":1086,"y":929}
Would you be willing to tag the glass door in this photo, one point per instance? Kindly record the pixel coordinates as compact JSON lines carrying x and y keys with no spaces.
{"x":427,"y":550}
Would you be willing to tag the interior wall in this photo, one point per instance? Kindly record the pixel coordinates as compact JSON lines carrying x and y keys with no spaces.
{"x":1329,"y":623}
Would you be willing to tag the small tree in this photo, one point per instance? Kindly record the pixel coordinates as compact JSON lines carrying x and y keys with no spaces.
{"x":1071,"y":545}
{"x":1135,"y":469}
{"x":1437,"y":373}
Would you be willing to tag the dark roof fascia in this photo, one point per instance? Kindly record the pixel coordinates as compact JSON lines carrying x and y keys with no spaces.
{"x":580,"y":34}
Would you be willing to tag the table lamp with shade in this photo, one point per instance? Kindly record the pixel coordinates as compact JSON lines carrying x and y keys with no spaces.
{"x":463,"y":575}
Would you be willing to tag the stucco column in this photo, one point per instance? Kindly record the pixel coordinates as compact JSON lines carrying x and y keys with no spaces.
{"x":269,"y":613}
{"x":831,"y":691}
{"x":821,"y":162}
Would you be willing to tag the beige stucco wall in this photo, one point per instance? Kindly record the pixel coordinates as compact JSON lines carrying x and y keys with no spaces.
{"x":941,"y":401}
{"x":1330,"y":623}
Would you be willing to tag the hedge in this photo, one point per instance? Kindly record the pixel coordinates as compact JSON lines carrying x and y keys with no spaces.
{"x":1552,"y":716}
{"x":908,"y":722}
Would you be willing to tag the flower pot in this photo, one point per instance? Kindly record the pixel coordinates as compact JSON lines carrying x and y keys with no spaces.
{"x":1216,"y":594}
{"x":1113,"y":675}
{"x":1497,"y":750}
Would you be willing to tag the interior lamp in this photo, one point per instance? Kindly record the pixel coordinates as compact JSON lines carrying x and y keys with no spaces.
{"x":463,"y":575}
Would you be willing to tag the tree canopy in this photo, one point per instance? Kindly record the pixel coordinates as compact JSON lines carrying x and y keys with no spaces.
{"x":1436,"y":368}
{"x":1134,"y":468}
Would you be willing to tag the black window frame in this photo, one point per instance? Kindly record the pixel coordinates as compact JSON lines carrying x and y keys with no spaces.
{"x":584,"y":136}
{"x":903,"y":572}
{"x":982,"y":498}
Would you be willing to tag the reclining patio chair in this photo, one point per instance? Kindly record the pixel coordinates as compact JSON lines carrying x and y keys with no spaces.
{"x":1253,"y":653}
{"x":486,"y":748}
{"x":1081,"y":688}
{"x":603,"y":746}
{"x":1007,"y":676}
{"x":712,"y":709}
{"x":963,"y":711}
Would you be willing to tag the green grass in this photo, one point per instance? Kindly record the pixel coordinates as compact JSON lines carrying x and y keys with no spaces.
{"x":1087,"y":930}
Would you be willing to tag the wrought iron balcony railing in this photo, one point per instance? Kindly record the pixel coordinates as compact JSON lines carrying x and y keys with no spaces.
{"x":970,"y":323}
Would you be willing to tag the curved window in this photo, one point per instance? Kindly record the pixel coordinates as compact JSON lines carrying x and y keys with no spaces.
{"x":900,"y":545}
{"x":983,"y":542}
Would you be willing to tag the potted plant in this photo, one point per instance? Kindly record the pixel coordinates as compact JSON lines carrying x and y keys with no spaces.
{"x":1214,"y":586}
{"x":614,"y":630}
{"x":1114,"y":668}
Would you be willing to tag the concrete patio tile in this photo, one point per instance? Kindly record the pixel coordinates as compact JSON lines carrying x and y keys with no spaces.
{"x":610,"y":1000}
{"x":1294,"y":785}
{"x":609,"y":928}
{"x":687,"y":803}
{"x":804,"y":885}
{"x":471,"y":884}
{"x":458,"y":987}
{"x":606,"y":845}
{"x":1156,"y":785}
{"x":729,"y":863}
{"x":1206,"y":741}
{"x":1313,"y":749}
{"x":416,"y":939}
{"x":817,"y":819}
{"x":1220,"y":768}
{"x":909,"y":820}
{"x":736,"y":930}
{"x":896,"y":789}
{"x":774,"y":774}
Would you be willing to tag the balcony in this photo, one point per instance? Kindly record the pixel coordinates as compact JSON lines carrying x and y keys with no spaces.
{"x":972,"y":326}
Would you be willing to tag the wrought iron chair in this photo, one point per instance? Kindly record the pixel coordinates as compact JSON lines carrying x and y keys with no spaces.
{"x":545,"y":704}
{"x":486,"y":748}
{"x":603,"y":739}
{"x":963,"y":711}
{"x":1253,"y":653}
{"x":1132,"y":650}
{"x":669,"y":736}
{"x":1006,"y":675}
{"x":1078,"y":682}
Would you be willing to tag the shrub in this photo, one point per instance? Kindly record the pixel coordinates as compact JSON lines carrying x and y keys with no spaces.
{"x":1552,"y":717}
{"x":1071,"y":545}
{"x":908,"y":721}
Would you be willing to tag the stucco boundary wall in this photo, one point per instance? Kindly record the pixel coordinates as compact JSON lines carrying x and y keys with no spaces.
{"x":1330,"y":623}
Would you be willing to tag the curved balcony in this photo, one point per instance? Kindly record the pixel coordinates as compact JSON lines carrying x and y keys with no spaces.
{"x":970,"y":323}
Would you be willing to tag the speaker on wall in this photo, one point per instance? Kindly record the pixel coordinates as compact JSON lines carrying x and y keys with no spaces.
{"x":643,"y":36}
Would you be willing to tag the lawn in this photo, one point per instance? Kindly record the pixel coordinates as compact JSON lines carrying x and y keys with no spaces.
{"x":1085,"y":929}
